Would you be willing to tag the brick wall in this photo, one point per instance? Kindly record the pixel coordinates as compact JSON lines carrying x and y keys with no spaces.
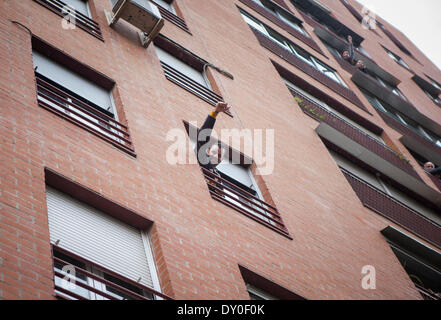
{"x":198,"y":243}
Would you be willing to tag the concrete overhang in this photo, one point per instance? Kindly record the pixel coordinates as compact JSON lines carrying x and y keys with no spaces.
{"x":412,"y":245}
{"x":375,"y":161}
{"x":366,"y":82}
{"x":420,"y":148}
{"x":426,"y":85}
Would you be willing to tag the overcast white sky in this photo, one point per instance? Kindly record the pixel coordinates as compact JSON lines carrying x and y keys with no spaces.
{"x":419,"y":20}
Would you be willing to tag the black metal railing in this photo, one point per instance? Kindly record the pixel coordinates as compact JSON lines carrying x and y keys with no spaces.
{"x":246,"y":203}
{"x":106,"y":288}
{"x":74,"y":16}
{"x":65,"y":105}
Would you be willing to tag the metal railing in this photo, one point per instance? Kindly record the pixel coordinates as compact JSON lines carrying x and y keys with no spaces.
{"x":97,"y":283}
{"x":171,"y":17}
{"x":427,"y":294}
{"x":80,"y":20}
{"x":191,"y":85}
{"x":243,"y":201}
{"x":60,"y":102}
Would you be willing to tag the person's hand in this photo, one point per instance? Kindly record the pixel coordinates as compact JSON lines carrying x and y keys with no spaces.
{"x":222,"y":107}
{"x":350,"y":39}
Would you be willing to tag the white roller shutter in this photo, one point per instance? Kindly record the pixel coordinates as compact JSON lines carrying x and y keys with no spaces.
{"x":72,"y":81}
{"x":79,"y":5}
{"x":98,"y":237}
{"x":181,"y":66}
{"x":236,"y":172}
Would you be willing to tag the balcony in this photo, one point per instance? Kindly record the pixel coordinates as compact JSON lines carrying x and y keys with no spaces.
{"x":308,"y":69}
{"x":371,"y":85}
{"x":435,"y":180}
{"x":333,"y":40}
{"x":244,"y":202}
{"x":171,"y":17}
{"x":395,"y":211}
{"x":314,"y":110}
{"x":414,"y":140}
{"x":280,"y":23}
{"x":78,"y":112}
{"x":316,"y":17}
{"x":90,"y":285}
{"x":82,"y":21}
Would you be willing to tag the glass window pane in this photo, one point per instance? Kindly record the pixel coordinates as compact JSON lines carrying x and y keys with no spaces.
{"x":254,"y":24}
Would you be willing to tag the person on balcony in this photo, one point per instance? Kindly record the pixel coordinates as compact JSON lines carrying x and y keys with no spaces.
{"x":430,"y":168}
{"x":349,"y":55}
{"x":210,"y":156}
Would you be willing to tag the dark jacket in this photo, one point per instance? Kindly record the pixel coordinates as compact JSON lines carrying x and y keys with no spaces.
{"x":351,"y":51}
{"x":204,"y":135}
{"x":435,"y":172}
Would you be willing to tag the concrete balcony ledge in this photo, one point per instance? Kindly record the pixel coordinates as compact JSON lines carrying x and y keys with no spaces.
{"x":368,"y":83}
{"x":403,"y":177}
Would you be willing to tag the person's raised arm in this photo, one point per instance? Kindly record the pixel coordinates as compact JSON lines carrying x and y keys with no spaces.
{"x":351,"y":49}
{"x":204,"y":132}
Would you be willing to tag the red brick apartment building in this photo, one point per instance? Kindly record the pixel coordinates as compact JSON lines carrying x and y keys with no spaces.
{"x":86,"y":111}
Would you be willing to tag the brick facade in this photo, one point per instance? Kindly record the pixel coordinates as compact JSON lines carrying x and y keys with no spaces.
{"x":198,"y":243}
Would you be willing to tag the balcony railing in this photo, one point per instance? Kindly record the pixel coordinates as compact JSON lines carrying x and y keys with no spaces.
{"x":65,"y":105}
{"x":282,"y":24}
{"x":91,"y":284}
{"x":348,"y":129}
{"x":436,"y":180}
{"x":394,"y":210}
{"x":171,"y":17}
{"x":427,"y":294}
{"x":190,"y":85}
{"x":80,"y":20}
{"x":237,"y":198}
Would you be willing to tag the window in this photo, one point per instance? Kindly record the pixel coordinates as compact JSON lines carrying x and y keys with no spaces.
{"x":294,"y":49}
{"x":232,"y":183}
{"x":419,"y":261}
{"x":76,"y":11}
{"x":283,"y":15}
{"x":406,"y":121}
{"x":188,"y":77}
{"x":258,"y":294}
{"x":435,"y":83}
{"x":321,"y":6}
{"x":182,"y":67}
{"x":97,"y":97}
{"x":166,"y":5}
{"x":242,"y":178}
{"x":76,"y":98}
{"x":170,"y":12}
{"x":433,"y":97}
{"x":397,"y":59}
{"x":100,"y":244}
{"x":81,"y":6}
{"x":261,"y":288}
